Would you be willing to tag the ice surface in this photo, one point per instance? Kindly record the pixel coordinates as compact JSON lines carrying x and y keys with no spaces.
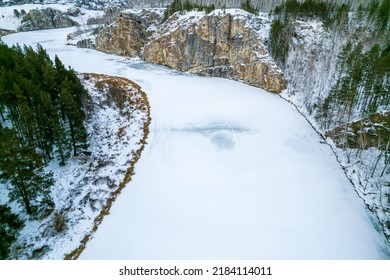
{"x":230,"y":172}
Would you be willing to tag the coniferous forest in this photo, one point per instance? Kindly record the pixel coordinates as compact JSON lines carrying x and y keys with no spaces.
{"x":334,"y":55}
{"x":353,"y":111}
{"x":187,"y":5}
{"x":41,"y":119}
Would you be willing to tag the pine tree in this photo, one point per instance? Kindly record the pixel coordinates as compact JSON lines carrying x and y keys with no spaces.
{"x":280,"y":35}
{"x":43,"y":103}
{"x":23,"y":169}
{"x":10,"y":224}
{"x":247,"y":6}
{"x":74,"y":116}
{"x":382,"y":19}
{"x":16,"y":13}
{"x":2,"y":118}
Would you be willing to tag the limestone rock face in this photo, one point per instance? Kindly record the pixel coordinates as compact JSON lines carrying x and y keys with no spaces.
{"x":45,"y":19}
{"x":220,"y":45}
{"x":129,"y":33}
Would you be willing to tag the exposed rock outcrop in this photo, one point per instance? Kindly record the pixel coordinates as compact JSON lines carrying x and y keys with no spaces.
{"x":108,"y":17}
{"x":129,"y":33}
{"x":86,"y":43}
{"x":4,"y":32}
{"x":363,"y":134}
{"x":45,"y":19}
{"x":220,"y":45}
{"x":73,"y":11}
{"x":83,"y":37}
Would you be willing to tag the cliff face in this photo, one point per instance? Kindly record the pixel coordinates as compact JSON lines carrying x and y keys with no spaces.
{"x":108,"y":17}
{"x":128,"y":34}
{"x":219,"y":45}
{"x":45,"y":19}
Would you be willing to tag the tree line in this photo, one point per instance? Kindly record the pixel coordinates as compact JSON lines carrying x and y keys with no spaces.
{"x":187,"y":5}
{"x":363,"y":85}
{"x":334,"y":15}
{"x":41,"y":119}
{"x":261,"y":5}
{"x":180,"y":6}
{"x":354,"y":111}
{"x":331,"y":13}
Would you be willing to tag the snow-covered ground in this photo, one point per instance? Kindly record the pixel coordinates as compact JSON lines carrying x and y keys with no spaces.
{"x":83,"y":186}
{"x":9,"y":21}
{"x":311,"y":71}
{"x":230,"y":172}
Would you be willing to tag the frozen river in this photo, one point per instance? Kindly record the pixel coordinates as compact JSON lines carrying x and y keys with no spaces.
{"x":230,"y":172}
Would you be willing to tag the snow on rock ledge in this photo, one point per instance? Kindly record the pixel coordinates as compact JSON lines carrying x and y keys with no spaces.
{"x":219,"y":44}
{"x":129,"y":33}
{"x":48,"y":18}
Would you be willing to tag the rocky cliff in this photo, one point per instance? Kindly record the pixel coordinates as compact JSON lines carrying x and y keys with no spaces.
{"x":129,"y":33}
{"x":108,"y":17}
{"x":220,"y":45}
{"x":45,"y":19}
{"x":227,"y":45}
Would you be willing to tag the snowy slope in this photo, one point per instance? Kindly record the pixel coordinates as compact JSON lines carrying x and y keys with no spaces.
{"x":83,"y":186}
{"x":93,"y":4}
{"x":311,"y":70}
{"x":10,"y":22}
{"x":88,"y":9}
{"x":230,"y":172}
{"x":88,"y":4}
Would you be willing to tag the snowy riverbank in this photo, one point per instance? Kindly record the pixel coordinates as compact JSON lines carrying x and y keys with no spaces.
{"x":230,"y":172}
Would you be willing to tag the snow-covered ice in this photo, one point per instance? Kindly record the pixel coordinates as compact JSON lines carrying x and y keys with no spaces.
{"x":230,"y":172}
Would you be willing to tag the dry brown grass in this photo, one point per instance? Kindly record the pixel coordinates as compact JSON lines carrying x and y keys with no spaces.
{"x":121,"y":132}
{"x":140,"y":103}
{"x":118,"y":90}
{"x":59,"y":222}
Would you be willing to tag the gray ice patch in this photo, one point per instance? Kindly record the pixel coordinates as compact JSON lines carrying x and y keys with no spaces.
{"x":223,"y":140}
{"x":223,"y":135}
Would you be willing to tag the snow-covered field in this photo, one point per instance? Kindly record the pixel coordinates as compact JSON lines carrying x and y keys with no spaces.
{"x":10,"y":22}
{"x":230,"y":172}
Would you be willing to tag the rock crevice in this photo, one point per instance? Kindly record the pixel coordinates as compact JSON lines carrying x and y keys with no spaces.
{"x":128,"y":34}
